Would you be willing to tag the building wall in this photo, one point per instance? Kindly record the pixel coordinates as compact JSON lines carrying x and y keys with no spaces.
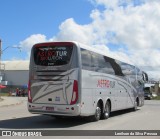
{"x":16,"y":77}
{"x":157,"y":89}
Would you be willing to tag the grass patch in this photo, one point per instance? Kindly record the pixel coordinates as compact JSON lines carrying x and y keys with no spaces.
{"x":4,"y":94}
{"x":156,"y":98}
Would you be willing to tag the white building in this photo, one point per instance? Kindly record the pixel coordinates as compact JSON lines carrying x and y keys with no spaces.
{"x":15,"y":73}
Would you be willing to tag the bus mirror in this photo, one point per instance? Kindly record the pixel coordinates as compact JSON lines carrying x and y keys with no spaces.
{"x":145,"y":76}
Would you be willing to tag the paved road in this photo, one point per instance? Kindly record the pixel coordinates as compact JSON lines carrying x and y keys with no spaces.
{"x":145,"y":118}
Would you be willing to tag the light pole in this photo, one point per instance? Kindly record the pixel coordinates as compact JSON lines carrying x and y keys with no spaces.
{"x":0,"y":60}
{"x":1,"y":52}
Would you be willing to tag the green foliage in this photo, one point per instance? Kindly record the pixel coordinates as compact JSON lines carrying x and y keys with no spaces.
{"x":4,"y":94}
{"x":156,"y":98}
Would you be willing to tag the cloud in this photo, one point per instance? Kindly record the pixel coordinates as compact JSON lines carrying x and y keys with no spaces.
{"x":70,"y":30}
{"x":31,"y":40}
{"x":127,"y":30}
{"x":27,"y":44}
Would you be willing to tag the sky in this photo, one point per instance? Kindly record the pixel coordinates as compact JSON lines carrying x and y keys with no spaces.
{"x":127,"y":30}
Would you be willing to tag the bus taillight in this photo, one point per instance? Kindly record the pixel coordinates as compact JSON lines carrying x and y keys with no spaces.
{"x":74,"y":93}
{"x":29,"y":92}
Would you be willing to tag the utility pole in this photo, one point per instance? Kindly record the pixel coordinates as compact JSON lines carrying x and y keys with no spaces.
{"x":0,"y":54}
{"x":0,"y":62}
{"x":0,"y":59}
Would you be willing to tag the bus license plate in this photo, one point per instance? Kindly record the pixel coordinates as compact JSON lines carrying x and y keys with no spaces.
{"x":50,"y":108}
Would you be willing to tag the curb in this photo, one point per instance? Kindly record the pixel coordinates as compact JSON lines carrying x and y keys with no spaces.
{"x":11,"y":104}
{"x":1,"y":99}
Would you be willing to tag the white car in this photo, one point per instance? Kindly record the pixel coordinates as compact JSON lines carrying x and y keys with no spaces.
{"x":13,"y":94}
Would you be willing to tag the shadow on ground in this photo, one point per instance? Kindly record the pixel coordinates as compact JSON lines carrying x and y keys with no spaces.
{"x":42,"y":121}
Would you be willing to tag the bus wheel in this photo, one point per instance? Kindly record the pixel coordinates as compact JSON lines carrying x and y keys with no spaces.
{"x":107,"y":110}
{"x":97,"y":114}
{"x":136,"y":105}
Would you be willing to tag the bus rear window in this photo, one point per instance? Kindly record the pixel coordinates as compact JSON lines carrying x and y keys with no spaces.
{"x":52,"y":55}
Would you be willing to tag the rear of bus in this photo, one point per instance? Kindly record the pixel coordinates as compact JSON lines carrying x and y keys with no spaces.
{"x":54,"y":75}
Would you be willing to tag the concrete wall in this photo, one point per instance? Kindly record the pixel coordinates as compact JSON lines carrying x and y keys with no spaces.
{"x":16,"y":77}
{"x":157,"y":89}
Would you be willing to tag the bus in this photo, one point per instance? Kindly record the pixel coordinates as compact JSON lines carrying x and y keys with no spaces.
{"x":73,"y":79}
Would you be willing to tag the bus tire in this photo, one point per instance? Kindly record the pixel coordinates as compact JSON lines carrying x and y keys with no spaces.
{"x":97,"y":114}
{"x":136,"y":105}
{"x":107,"y":110}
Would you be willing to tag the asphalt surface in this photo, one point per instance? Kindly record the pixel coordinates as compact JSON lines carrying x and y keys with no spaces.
{"x":11,"y":101}
{"x":16,"y":116}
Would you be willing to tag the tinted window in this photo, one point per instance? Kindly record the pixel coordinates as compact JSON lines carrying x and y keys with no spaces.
{"x":105,"y":65}
{"x":86,"y":59}
{"x":139,"y":75}
{"x":95,"y":62}
{"x":99,"y":63}
{"x":127,"y":69}
{"x":52,"y":55}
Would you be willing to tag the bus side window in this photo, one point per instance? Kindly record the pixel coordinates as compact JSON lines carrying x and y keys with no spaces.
{"x":140,"y":76}
{"x":95,"y":62}
{"x":115,"y":66}
{"x":128,"y":70}
{"x":86,"y":59}
{"x":105,"y":66}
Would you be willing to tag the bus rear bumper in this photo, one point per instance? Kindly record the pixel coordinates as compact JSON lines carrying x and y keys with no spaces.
{"x":48,"y":109}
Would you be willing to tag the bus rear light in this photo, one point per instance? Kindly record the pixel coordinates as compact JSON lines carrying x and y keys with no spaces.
{"x":74,"y":93}
{"x":29,"y":92}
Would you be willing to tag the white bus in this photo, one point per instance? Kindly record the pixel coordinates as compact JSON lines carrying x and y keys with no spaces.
{"x":72,"y":79}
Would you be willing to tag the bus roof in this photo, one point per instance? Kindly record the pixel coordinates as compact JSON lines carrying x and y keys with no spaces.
{"x":99,"y":51}
{"x":87,"y":47}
